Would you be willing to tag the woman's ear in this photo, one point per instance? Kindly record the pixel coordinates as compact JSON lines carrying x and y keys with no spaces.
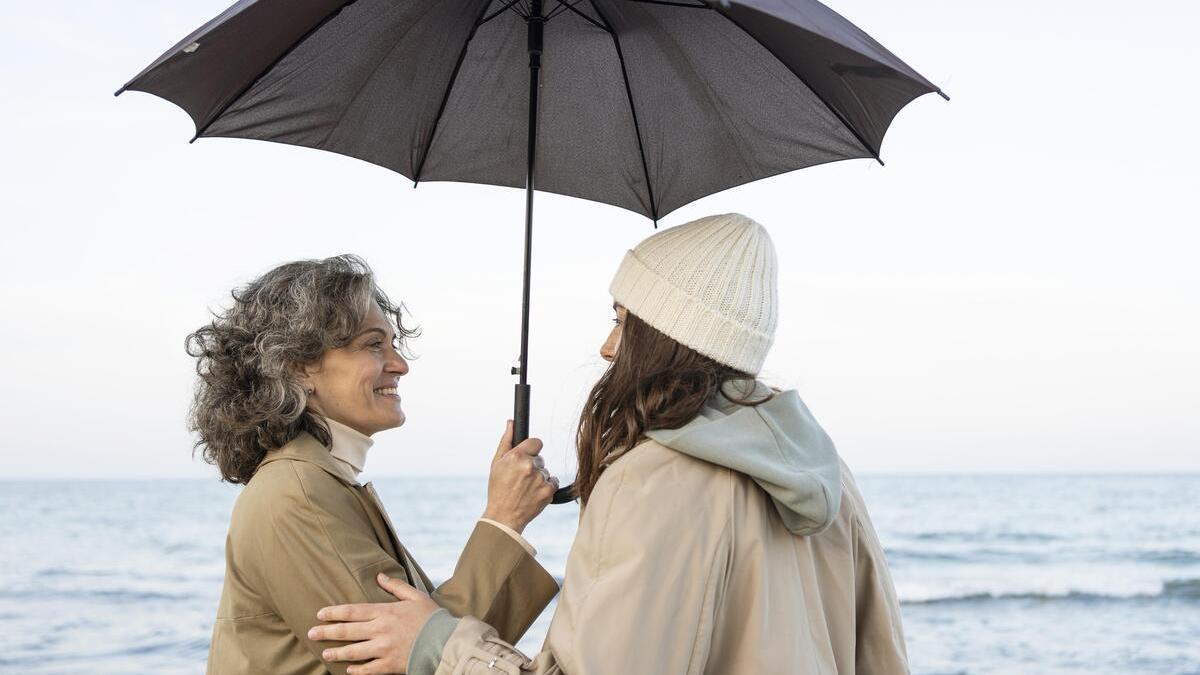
{"x":306,"y":376}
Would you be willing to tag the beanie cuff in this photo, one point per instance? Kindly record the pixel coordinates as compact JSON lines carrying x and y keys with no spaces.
{"x":681,"y":317}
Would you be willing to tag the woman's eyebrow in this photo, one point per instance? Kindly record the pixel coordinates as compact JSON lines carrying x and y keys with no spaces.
{"x":381,"y":331}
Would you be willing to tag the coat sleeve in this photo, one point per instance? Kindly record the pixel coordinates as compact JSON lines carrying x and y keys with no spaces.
{"x":631,"y":602}
{"x":879,"y":633}
{"x":314,"y":556}
{"x":497,"y":580}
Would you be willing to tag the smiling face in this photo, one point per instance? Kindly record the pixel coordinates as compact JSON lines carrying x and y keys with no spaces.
{"x":356,"y":384}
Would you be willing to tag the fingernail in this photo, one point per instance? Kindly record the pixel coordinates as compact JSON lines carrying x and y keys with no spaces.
{"x":383,"y":577}
{"x":321,"y":614}
{"x":326,"y":654}
{"x":312,"y":632}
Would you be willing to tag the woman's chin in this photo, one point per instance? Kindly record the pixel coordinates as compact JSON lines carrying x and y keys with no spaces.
{"x":396,"y":419}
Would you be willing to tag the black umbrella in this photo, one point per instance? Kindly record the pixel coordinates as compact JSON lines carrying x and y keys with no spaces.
{"x":643,"y":104}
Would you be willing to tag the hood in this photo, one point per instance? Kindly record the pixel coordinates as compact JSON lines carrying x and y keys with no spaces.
{"x":776,"y":443}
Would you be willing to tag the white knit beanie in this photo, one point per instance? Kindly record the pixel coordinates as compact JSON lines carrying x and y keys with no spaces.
{"x":710,"y":284}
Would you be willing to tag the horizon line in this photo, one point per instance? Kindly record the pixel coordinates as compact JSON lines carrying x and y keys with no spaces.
{"x":1041,"y":473}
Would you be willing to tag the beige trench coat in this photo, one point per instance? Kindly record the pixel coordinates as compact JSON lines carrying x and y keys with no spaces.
{"x":303,"y":536}
{"x":684,"y":567}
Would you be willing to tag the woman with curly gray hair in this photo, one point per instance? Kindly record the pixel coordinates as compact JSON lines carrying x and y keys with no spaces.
{"x":294,"y":379}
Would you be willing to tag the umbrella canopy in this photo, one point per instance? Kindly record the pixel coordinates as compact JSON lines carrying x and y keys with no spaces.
{"x":646,"y":105}
{"x":643,"y":104}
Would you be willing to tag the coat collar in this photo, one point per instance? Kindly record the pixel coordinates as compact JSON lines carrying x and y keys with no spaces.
{"x":306,"y":448}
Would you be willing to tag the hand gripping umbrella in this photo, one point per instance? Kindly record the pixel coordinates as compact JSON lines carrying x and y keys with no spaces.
{"x":643,"y":104}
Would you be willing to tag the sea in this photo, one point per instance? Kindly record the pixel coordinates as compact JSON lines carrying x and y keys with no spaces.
{"x":996,"y":574}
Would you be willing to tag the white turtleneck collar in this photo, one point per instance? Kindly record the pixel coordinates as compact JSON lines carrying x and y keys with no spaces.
{"x":348,"y":446}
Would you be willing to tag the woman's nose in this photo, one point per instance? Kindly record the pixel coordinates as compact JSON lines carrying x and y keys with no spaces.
{"x":397,"y":364}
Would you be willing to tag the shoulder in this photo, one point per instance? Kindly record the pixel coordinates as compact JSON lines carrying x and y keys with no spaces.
{"x":289,"y":489}
{"x":652,"y":476}
{"x":852,"y":520}
{"x":654,"y":505}
{"x":853,"y":506}
{"x":651,"y":462}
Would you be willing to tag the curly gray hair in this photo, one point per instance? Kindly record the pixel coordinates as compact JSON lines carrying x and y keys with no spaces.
{"x":249,"y":398}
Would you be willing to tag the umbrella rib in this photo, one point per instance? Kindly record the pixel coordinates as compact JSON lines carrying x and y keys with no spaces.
{"x":462,"y":53}
{"x":508,"y":5}
{"x":672,"y":4}
{"x":562,"y":7}
{"x":571,"y":6}
{"x":270,"y":67}
{"x":637,"y":130}
{"x":841,"y":118}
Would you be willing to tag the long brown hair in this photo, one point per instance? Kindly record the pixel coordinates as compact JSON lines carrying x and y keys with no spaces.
{"x":653,"y":382}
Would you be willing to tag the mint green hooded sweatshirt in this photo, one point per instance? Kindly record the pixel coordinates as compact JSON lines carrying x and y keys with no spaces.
{"x":778,"y":444}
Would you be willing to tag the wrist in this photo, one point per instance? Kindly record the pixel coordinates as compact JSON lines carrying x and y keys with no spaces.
{"x":429,"y":643}
{"x":506,"y":520}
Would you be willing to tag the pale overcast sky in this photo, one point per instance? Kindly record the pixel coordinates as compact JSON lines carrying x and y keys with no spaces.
{"x":1017,"y":290}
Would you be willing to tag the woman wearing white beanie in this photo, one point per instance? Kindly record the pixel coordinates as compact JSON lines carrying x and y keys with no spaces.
{"x":719,"y":533}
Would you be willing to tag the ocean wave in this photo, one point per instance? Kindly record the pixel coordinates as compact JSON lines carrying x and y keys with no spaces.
{"x":1169,"y":556}
{"x":972,"y":536}
{"x":1037,"y":555}
{"x":56,"y":572}
{"x":974,"y":555}
{"x":1175,"y":589}
{"x":1182,"y":588}
{"x":110,"y":595}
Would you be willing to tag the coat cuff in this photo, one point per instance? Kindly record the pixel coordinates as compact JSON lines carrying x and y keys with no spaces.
{"x":512,"y":533}
{"x":426,"y":651}
{"x":473,"y":646}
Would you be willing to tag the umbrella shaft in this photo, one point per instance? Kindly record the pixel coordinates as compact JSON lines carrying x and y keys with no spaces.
{"x":521,"y":396}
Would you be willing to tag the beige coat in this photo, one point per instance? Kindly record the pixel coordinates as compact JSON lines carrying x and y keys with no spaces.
{"x":303,"y":536}
{"x":686,"y":566}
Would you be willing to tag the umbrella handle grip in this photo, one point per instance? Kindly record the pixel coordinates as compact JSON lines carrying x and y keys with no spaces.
{"x":520,"y":413}
{"x":562,"y":495}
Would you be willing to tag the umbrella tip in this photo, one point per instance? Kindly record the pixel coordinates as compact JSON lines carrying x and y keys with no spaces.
{"x":194,"y":138}
{"x":415,"y":184}
{"x":943,"y":94}
{"x":119,"y":91}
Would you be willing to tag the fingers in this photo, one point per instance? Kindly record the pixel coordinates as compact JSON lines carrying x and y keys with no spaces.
{"x":343,"y":632}
{"x":398,"y":588}
{"x":359,"y":651}
{"x":505,"y":441}
{"x":529,"y":447}
{"x":359,"y":612}
{"x":376,"y":667}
